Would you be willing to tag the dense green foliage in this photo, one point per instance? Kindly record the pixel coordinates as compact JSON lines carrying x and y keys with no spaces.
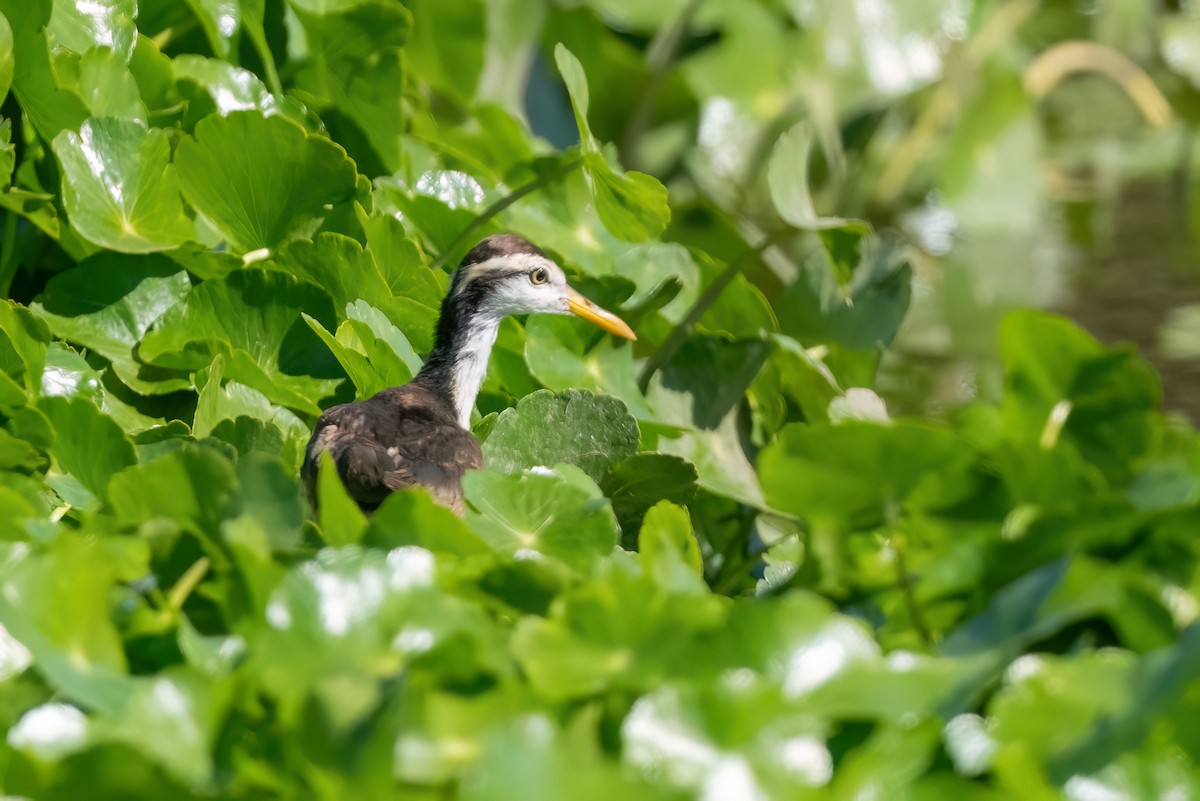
{"x":703,"y":565}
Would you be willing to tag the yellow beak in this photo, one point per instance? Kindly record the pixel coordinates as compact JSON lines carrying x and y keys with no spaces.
{"x":597,"y":316}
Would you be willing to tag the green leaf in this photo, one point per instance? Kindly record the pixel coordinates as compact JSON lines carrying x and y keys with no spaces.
{"x":447,"y":47}
{"x":544,"y":429}
{"x":262,"y":180}
{"x":79,"y":24}
{"x":620,"y":631}
{"x":541,"y":513}
{"x":50,"y":107}
{"x":87,"y":443}
{"x":221,"y":20}
{"x":108,"y":302}
{"x":229,"y":402}
{"x":342,"y":522}
{"x":862,"y":315}
{"x":632,"y":206}
{"x":837,"y":472}
{"x":133,"y":205}
{"x":642,"y":480}
{"x":562,"y":353}
{"x":227,"y":88}
{"x":669,"y":549}
{"x":336,"y":263}
{"x":254,"y":313}
{"x":108,"y":87}
{"x":787,"y":177}
{"x":193,"y":486}
{"x":1108,"y":397}
{"x":6,"y":57}
{"x":55,"y":602}
{"x":412,"y":517}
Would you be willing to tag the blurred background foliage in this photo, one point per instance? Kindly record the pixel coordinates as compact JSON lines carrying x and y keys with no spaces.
{"x":883,"y":536}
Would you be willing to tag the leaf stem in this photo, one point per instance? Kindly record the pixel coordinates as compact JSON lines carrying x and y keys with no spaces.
{"x":187,"y":582}
{"x":684,"y":329}
{"x":500,"y":205}
{"x":258,"y":38}
{"x":904,"y":578}
{"x":8,"y":254}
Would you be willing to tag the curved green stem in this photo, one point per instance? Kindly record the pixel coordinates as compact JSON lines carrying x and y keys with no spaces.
{"x":500,"y":205}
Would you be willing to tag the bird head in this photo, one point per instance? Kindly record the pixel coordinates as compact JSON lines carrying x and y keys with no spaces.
{"x":506,"y":274}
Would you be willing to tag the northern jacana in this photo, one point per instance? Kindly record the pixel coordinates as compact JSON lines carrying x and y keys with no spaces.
{"x":419,"y":433}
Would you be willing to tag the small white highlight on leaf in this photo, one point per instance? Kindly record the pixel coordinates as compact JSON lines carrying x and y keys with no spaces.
{"x":969,"y":745}
{"x":1023,"y":668}
{"x":414,"y":640}
{"x":1088,"y":788}
{"x":14,"y":657}
{"x":901,"y":661}
{"x":657,"y":741}
{"x":858,"y":403}
{"x":256,"y":255}
{"x":456,"y":189}
{"x":51,"y":731}
{"x":808,"y":759}
{"x":821,"y":658}
{"x":278,"y":615}
{"x":732,"y":779}
{"x":410,"y":567}
{"x":1179,"y":602}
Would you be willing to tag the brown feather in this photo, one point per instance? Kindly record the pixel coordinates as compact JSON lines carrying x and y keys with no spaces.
{"x":397,"y":438}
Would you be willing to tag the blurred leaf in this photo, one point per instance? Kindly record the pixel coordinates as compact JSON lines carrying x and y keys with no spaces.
{"x":787,"y":176}
{"x":837,"y":472}
{"x":669,"y":549}
{"x":1107,"y":396}
{"x":134,"y":205}
{"x":342,"y":522}
{"x":412,"y":517}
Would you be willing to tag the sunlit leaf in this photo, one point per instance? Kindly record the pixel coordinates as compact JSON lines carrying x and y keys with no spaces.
{"x":261,"y":180}
{"x":133,"y":204}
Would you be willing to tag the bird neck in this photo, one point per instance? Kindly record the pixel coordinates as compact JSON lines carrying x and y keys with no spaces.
{"x":458,"y":362}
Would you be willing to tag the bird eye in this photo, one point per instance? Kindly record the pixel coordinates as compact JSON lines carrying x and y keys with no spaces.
{"x":539,"y":275}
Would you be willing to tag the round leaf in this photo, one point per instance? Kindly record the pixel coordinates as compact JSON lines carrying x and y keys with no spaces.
{"x":262,"y":180}
{"x":118,"y":187}
{"x":545,"y":429}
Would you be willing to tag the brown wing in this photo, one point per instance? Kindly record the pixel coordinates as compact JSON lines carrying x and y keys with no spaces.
{"x":398,"y":438}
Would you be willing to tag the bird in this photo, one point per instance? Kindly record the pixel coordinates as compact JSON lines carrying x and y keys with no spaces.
{"x":419,"y":433}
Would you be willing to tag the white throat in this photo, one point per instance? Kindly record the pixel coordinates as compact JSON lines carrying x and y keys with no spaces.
{"x":470,"y":367}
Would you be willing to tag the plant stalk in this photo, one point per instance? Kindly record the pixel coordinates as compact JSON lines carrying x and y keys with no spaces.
{"x":684,"y":329}
{"x":500,"y":205}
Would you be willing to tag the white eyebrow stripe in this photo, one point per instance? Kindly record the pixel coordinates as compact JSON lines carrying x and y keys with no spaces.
{"x":510,"y":264}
